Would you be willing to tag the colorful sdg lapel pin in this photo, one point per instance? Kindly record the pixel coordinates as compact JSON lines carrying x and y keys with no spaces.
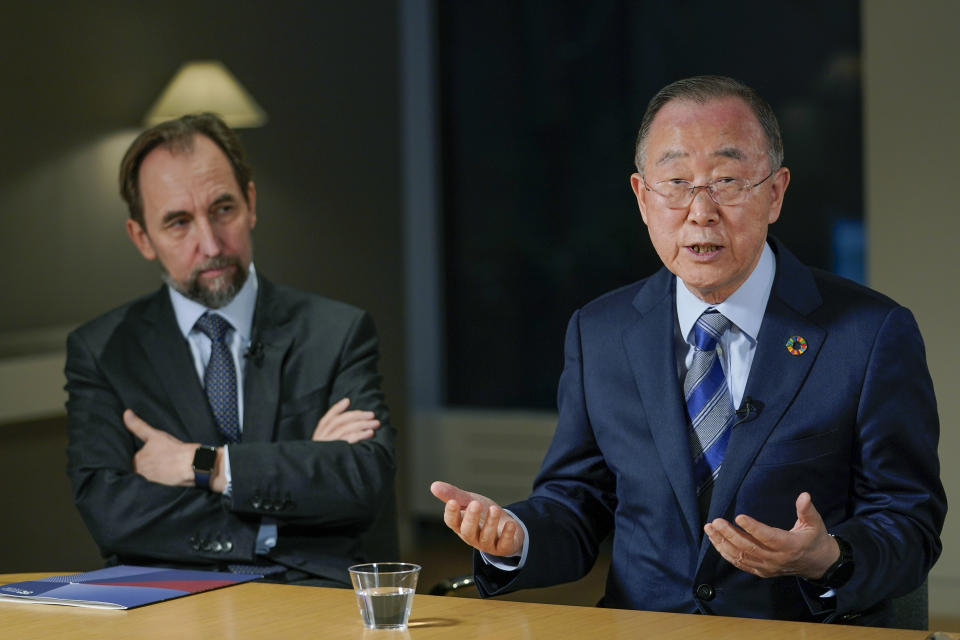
{"x":796,"y":345}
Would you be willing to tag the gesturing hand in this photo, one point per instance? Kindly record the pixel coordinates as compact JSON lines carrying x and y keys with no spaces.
{"x":479,"y":521}
{"x":806,"y":550}
{"x":339,"y":424}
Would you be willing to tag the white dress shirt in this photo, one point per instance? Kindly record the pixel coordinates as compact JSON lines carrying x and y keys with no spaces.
{"x":744,"y":308}
{"x":239,"y":313}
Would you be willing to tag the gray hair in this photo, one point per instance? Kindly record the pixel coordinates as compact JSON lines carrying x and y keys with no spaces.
{"x":702,"y":89}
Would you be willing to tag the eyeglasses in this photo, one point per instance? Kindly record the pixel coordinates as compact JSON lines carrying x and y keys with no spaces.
{"x":725,"y":191}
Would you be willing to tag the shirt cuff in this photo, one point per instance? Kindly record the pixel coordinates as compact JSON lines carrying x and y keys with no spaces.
{"x":819,"y":600}
{"x":514,"y":562}
{"x":266,"y":536}
{"x":226,"y":471}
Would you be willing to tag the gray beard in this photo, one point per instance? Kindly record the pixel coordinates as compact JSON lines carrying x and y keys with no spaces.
{"x":211,"y":299}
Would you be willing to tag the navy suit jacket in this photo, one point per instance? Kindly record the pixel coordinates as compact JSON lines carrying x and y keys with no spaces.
{"x":852,"y":420}
{"x":333,"y":501}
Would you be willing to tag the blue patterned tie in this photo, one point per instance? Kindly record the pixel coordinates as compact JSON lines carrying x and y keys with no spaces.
{"x":220,"y":378}
{"x":708,"y":401}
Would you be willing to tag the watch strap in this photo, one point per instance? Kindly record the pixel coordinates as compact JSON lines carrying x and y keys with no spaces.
{"x":201,"y":479}
{"x":840,"y":571}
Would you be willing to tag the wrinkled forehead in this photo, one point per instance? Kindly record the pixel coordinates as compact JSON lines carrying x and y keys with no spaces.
{"x":174,"y":180}
{"x":723,"y":130}
{"x":726,"y":151}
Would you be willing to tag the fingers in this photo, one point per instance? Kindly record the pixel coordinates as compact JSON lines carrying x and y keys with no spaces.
{"x":489,"y":530}
{"x":498,"y":533}
{"x":352,"y":426}
{"x":452,"y":516}
{"x":766,"y":551}
{"x":338,"y":407}
{"x":718,"y":532}
{"x":471,"y":524}
{"x":478,"y":520}
{"x":511,"y":539}
{"x":447,"y":492}
{"x":442,"y":490}
{"x":808,"y":518}
{"x":758,"y":532}
{"x":339,"y":424}
{"x":741,"y":536}
{"x":137,"y":426}
{"x":807,"y":513}
{"x":351,"y":419}
{"x":736,"y":546}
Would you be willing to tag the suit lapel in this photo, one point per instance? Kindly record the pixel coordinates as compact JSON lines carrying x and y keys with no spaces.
{"x":776,"y":375}
{"x":650,"y":347}
{"x":270,"y":342}
{"x":170,"y":357}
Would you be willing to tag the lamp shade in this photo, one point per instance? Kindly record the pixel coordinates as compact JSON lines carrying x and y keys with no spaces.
{"x":206,"y":85}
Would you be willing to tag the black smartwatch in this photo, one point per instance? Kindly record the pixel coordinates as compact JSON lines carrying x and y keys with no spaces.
{"x":840,"y":571}
{"x":204,"y":460}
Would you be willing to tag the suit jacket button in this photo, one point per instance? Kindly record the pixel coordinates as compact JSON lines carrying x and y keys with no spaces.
{"x":705,"y":592}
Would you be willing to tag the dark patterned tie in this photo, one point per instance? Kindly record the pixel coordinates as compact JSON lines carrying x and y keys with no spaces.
{"x":708,"y":401}
{"x":220,"y":378}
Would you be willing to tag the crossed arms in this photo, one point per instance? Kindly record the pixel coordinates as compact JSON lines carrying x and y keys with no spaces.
{"x":324,"y":467}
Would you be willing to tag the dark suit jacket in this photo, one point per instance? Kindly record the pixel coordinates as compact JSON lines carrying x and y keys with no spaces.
{"x":334,"y":501}
{"x":852,"y":420}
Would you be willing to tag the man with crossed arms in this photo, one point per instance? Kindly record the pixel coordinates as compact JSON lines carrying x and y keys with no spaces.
{"x":225,"y":422}
{"x":760,"y":437}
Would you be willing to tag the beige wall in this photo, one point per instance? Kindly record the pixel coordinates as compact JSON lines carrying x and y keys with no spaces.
{"x":912,"y":103}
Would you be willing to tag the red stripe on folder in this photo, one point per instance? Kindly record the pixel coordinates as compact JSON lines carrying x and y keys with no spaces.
{"x":188,"y":586}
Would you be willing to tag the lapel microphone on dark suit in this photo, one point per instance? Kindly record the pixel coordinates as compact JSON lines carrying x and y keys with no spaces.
{"x":749,"y":409}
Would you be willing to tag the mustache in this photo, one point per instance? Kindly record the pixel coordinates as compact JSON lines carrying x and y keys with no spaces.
{"x":218,"y":262}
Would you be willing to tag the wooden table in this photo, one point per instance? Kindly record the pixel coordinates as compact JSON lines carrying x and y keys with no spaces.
{"x":258,"y":610}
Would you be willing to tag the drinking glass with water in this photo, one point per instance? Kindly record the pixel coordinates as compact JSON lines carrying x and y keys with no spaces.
{"x":385,"y":592}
